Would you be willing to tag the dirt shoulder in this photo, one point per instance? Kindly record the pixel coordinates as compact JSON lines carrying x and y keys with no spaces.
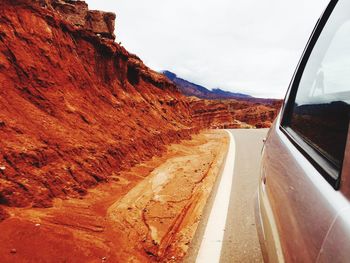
{"x":147,"y":214}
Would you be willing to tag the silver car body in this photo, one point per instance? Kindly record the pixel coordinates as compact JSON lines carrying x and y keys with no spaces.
{"x":302,"y":212}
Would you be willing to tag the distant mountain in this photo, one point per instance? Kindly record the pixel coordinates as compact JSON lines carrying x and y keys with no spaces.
{"x":188,"y":88}
{"x":228,"y":94}
{"x":191,"y":89}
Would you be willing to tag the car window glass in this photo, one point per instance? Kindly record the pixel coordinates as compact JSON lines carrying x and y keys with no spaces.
{"x":321,"y":110}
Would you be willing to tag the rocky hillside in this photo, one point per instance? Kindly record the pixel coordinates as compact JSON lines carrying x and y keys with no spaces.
{"x":75,"y":107}
{"x":223,"y":109}
{"x":232,"y":114}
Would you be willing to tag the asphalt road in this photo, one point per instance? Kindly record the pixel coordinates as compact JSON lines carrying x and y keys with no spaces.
{"x":240,"y":242}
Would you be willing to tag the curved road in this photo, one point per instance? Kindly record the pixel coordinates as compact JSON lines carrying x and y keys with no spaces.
{"x":240,"y":241}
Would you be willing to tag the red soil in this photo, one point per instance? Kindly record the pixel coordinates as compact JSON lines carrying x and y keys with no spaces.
{"x":74,"y":107}
{"x":141,"y":215}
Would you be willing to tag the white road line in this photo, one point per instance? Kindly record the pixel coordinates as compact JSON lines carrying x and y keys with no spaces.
{"x":210,"y":249}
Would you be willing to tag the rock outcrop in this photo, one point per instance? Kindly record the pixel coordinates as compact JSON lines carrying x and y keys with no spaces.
{"x":231,"y":114}
{"x":77,"y":14}
{"x":75,"y":107}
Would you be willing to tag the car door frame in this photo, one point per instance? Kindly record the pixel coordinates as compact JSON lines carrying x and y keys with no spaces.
{"x":320,"y":163}
{"x":281,"y":131}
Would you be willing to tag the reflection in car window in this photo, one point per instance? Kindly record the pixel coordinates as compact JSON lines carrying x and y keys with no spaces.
{"x":336,"y":63}
{"x":321,"y":109}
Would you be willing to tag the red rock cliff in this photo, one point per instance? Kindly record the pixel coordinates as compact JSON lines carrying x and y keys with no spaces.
{"x":231,"y":114}
{"x":75,"y":107}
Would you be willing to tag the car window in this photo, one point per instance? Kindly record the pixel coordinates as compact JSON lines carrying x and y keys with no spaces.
{"x":320,"y":113}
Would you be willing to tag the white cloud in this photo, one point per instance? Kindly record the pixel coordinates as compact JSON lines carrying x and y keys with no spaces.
{"x":250,"y":46}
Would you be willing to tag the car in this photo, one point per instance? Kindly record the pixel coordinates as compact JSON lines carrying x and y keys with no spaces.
{"x":303,"y":200}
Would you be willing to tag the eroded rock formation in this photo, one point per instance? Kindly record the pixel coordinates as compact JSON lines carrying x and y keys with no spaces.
{"x":222,"y":109}
{"x":75,"y":107}
{"x":77,"y":14}
{"x":231,"y":114}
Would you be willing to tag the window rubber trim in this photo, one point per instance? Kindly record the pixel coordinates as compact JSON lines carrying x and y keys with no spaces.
{"x":324,"y":166}
{"x":328,"y":171}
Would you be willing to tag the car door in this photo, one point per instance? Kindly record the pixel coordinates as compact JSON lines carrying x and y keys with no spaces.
{"x":336,"y":246}
{"x":304,"y":153}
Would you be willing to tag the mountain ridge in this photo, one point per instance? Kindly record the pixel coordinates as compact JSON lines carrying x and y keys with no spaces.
{"x":189,"y":88}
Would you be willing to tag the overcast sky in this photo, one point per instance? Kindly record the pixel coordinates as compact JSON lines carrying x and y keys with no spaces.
{"x":249,"y":46}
